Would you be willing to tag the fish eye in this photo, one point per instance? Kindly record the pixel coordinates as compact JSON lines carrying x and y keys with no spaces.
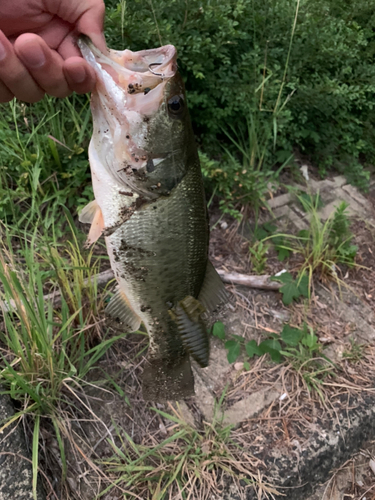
{"x":176,"y":105}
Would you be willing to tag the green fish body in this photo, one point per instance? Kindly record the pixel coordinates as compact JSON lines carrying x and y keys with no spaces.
{"x":150,"y":206}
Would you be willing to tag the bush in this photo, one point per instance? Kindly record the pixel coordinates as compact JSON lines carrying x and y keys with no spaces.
{"x":226,"y":49}
{"x":238,"y":63}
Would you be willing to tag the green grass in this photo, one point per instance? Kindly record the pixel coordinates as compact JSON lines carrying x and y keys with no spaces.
{"x":43,"y":159}
{"x":46,"y":350}
{"x":186,"y":463}
{"x":320,"y":248}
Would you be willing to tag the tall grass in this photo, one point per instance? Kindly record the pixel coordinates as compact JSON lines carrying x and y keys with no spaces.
{"x":46,"y":349}
{"x":43,"y":159}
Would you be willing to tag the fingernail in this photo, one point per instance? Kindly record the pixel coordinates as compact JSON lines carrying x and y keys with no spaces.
{"x":3,"y":52}
{"x":33,"y":58}
{"x":79,"y":74}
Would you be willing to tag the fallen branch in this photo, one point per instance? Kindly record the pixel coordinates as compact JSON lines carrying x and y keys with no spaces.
{"x":262,"y":282}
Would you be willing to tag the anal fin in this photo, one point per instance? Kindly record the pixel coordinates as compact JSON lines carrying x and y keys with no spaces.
{"x":120,"y":308}
{"x":192,"y":329}
{"x":213,"y":292}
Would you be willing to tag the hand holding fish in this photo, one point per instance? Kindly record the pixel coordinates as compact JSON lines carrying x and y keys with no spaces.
{"x":38,"y":52}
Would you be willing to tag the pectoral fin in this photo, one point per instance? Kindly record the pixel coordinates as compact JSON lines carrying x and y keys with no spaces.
{"x":213,"y":292}
{"x":88,"y":212}
{"x":192,"y":329}
{"x":92,"y":214}
{"x":119,"y":307}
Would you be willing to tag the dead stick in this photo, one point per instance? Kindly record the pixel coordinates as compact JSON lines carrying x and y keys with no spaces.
{"x":262,"y":282}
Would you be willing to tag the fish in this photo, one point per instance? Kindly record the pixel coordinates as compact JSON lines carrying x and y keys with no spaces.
{"x":150,"y":206}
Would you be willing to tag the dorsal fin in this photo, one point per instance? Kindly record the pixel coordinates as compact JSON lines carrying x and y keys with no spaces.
{"x":119,"y":308}
{"x":213,"y":292}
{"x":92,"y":214}
{"x":192,"y":329}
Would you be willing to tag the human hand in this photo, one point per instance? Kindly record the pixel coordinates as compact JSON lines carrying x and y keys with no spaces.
{"x":38,"y":52}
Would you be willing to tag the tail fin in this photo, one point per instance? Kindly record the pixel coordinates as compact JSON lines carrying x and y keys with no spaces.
{"x":168,"y":381}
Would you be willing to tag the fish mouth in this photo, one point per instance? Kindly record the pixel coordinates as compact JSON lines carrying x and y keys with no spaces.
{"x":130,"y":89}
{"x":136,"y":73}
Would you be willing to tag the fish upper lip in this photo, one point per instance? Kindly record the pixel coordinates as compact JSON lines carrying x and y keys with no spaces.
{"x":159,"y":62}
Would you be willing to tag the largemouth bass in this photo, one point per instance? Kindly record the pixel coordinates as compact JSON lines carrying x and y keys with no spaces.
{"x":150,"y":206}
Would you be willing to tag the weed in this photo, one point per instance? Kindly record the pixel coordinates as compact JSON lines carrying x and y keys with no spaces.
{"x":292,"y":289}
{"x":326,"y":244}
{"x":258,"y":256}
{"x":43,"y":159}
{"x":267,"y":231}
{"x":185,"y":463}
{"x":299,"y":346}
{"x":355,"y":351}
{"x":322,"y":246}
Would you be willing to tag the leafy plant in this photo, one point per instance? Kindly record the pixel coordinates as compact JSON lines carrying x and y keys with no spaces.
{"x":299,"y":346}
{"x":308,"y":200}
{"x":229,"y":51}
{"x":218,"y":330}
{"x":322,"y":246}
{"x":292,"y":288}
{"x":340,"y":236}
{"x":325,"y":244}
{"x":267,"y":231}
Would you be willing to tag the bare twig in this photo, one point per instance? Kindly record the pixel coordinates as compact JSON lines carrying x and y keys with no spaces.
{"x":251,"y":281}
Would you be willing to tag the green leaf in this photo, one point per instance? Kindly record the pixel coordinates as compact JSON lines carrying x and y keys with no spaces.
{"x":275,"y":355}
{"x":218,"y":330}
{"x":270,"y":228}
{"x":269,"y":344}
{"x":252,"y":348}
{"x":283,"y":278}
{"x":234,"y":349}
{"x":291,"y":336}
{"x":246,"y":365}
{"x":310,"y":340}
{"x":229,"y":344}
{"x":303,"y":286}
{"x":290,"y":291}
{"x":303,"y":234}
{"x":310,"y":202}
{"x":282,"y":253}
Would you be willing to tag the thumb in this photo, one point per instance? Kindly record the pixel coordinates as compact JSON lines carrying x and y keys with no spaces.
{"x":90,"y":23}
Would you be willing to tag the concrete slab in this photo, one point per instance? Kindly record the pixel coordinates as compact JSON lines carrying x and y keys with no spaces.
{"x":251,"y":406}
{"x":15,"y":470}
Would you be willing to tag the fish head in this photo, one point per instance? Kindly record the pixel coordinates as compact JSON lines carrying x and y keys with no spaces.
{"x":142,"y":128}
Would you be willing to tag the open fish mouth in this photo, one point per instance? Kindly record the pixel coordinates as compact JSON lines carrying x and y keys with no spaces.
{"x":137,"y":74}
{"x":130,"y":91}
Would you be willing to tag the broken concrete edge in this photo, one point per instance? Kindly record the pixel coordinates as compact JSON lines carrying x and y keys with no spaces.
{"x":298,"y":474}
{"x":16,"y":472}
